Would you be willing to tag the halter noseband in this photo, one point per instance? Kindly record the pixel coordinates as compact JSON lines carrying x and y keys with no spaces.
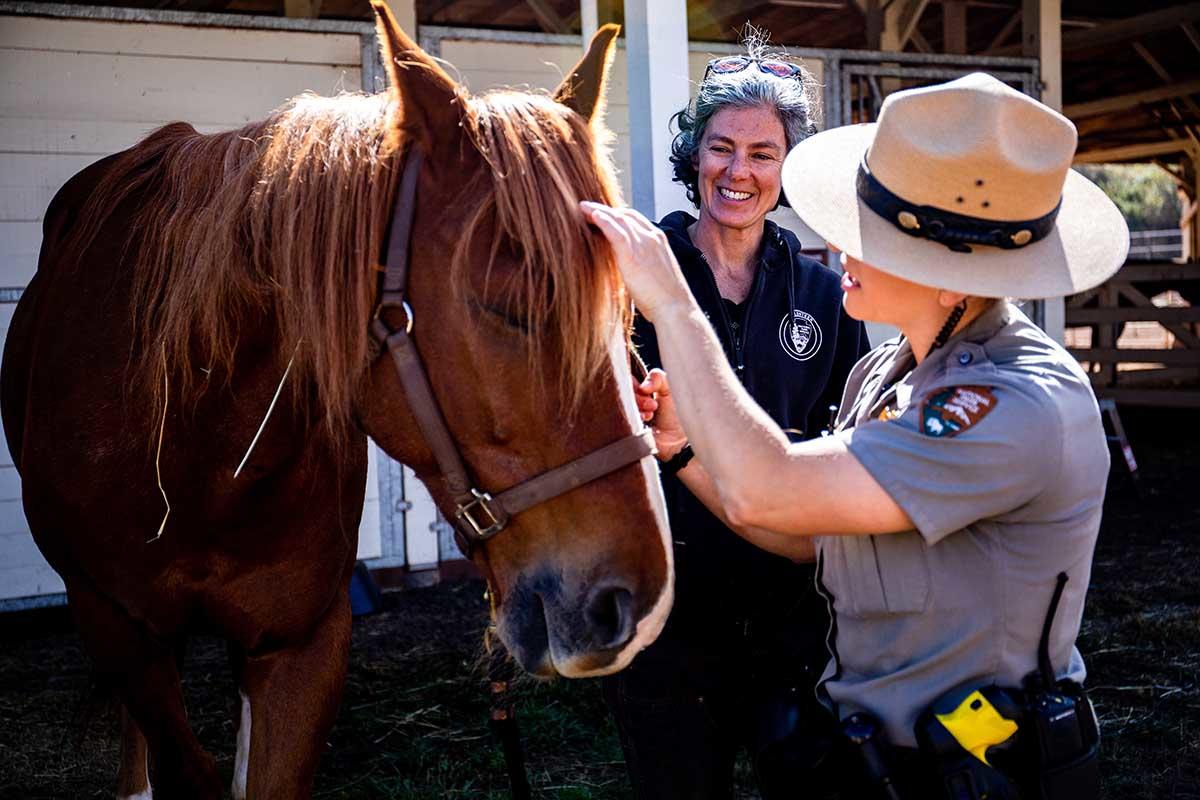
{"x":478,"y":515}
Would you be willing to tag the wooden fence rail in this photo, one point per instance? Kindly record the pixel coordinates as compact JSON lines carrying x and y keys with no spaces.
{"x":1140,"y":373}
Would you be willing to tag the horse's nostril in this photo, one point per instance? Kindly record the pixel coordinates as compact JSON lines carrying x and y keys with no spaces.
{"x":610,"y":615}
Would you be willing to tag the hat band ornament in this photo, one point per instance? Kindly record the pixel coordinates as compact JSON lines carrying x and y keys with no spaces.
{"x":956,"y":231}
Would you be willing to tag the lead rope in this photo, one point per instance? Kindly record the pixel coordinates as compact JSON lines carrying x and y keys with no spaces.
{"x":502,"y":718}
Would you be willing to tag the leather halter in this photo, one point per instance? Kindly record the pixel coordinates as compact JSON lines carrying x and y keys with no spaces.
{"x":478,"y":515}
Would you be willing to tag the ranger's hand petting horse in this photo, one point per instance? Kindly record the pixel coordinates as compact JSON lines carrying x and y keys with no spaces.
{"x":746,"y":471}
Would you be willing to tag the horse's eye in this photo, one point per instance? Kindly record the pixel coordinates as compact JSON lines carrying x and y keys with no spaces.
{"x":502,"y":315}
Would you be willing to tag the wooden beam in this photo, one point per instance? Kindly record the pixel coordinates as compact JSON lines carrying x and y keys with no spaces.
{"x":921,"y":43}
{"x":873,"y":11}
{"x":1007,"y":30}
{"x":435,"y":7}
{"x":1162,"y":398}
{"x":1123,"y":101}
{"x":1110,"y":355}
{"x":1124,"y":30}
{"x":547,"y":17}
{"x":1193,"y":35}
{"x":1132,"y":152}
{"x":1165,"y":76}
{"x":954,"y":27}
{"x":303,"y":9}
{"x":824,"y":4}
{"x":1157,"y":271}
{"x":906,"y":24}
{"x":1163,"y":316}
{"x":1183,"y":333}
{"x":726,"y":15}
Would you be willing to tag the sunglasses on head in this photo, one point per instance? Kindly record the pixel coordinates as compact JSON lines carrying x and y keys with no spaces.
{"x":727,"y":65}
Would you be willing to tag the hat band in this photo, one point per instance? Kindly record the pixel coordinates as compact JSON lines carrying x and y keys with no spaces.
{"x":956,"y":231}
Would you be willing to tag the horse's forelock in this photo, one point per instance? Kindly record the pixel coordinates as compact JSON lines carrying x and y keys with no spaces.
{"x":544,"y":159}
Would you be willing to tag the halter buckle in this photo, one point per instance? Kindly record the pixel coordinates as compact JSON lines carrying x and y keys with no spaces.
{"x":479,"y":529}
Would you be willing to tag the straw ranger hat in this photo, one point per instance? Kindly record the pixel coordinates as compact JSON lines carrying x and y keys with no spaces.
{"x":965,"y":186}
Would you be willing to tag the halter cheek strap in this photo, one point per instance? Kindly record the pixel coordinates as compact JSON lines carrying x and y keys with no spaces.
{"x":478,"y":515}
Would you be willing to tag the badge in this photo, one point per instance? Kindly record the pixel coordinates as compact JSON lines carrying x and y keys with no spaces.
{"x":890,"y":413}
{"x":799,"y":335}
{"x":951,"y":411}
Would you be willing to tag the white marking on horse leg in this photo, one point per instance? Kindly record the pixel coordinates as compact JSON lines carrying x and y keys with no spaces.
{"x":133,"y":775}
{"x":241,"y":766}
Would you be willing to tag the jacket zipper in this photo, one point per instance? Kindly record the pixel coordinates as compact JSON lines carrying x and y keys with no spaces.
{"x":736,"y":342}
{"x":739,"y":339}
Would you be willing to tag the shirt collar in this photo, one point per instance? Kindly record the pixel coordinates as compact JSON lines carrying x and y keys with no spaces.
{"x":979,"y":330}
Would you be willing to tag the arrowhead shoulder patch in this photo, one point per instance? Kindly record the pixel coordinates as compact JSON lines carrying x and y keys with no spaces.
{"x":950,"y":411}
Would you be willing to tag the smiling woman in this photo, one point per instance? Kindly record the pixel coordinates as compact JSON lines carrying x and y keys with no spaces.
{"x":745,"y":639}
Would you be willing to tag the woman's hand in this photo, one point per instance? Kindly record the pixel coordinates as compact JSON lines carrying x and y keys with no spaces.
{"x":657,"y":407}
{"x":646,"y":262}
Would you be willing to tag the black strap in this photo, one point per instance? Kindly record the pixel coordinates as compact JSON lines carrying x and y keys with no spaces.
{"x":1044,"y":665}
{"x":955,"y":231}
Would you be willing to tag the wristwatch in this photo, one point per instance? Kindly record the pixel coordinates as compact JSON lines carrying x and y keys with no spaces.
{"x":678,"y":461}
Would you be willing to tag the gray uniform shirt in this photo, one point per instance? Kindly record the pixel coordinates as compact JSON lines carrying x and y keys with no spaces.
{"x":994,"y":447}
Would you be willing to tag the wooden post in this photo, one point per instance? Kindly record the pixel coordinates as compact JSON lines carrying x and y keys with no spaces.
{"x":1190,"y":219}
{"x":656,"y":46}
{"x":405,"y":12}
{"x":873,"y":11}
{"x":589,"y":20}
{"x":1041,"y":38}
{"x":954,"y":26}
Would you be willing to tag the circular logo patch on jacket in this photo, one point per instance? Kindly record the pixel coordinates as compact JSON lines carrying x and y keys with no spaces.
{"x":800,"y":335}
{"x":951,"y":411}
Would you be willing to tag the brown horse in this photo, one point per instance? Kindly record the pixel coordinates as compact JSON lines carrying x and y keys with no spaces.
{"x":183,"y":281}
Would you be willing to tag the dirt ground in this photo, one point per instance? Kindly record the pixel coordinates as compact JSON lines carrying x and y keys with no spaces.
{"x":413,"y":721}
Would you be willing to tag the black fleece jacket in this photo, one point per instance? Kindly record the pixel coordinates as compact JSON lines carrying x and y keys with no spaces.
{"x":795,"y":373}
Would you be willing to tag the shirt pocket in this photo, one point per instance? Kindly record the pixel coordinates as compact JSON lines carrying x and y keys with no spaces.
{"x":874,"y":576}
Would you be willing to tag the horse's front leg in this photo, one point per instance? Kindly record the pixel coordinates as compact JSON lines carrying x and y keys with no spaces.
{"x":145,"y":673}
{"x":133,"y":773}
{"x":293,"y":700}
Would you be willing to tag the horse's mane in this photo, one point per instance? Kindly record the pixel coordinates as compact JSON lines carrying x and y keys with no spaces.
{"x":285,"y":219}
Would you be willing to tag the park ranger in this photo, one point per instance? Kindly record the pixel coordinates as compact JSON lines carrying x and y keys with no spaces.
{"x":955,"y":506}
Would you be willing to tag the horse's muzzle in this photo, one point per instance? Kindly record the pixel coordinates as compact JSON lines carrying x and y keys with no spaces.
{"x":557,"y":626}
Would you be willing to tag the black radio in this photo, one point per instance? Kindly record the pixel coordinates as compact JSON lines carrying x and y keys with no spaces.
{"x":1061,"y":736}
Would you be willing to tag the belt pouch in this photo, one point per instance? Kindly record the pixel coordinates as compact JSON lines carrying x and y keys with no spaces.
{"x":1068,"y":741}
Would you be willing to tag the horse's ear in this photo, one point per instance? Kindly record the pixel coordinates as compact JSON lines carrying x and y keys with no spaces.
{"x":429,"y":98}
{"x":583,"y":88}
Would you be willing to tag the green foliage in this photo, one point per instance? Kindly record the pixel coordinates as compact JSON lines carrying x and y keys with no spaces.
{"x":1145,"y":193}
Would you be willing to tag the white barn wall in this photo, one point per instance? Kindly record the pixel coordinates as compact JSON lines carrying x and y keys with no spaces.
{"x":73,"y":91}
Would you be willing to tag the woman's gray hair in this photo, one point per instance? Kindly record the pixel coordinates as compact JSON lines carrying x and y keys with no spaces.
{"x":793,"y":99}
